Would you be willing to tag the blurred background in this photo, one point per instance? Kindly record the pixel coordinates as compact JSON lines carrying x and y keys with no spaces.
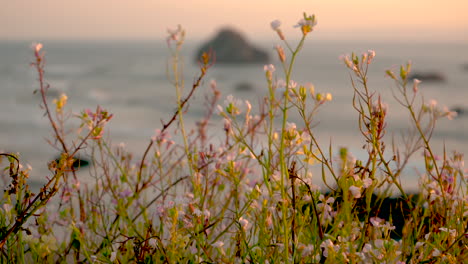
{"x":113,"y":53}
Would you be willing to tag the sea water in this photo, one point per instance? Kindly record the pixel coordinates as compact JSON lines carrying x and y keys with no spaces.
{"x":130,"y":79}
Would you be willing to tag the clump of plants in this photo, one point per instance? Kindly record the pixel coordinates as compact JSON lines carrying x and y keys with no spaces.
{"x":247,"y":196}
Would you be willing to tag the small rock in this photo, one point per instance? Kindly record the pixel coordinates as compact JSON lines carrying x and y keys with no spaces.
{"x":428,"y":76}
{"x":244,"y":86}
{"x":460,"y":110}
{"x":77,"y":162}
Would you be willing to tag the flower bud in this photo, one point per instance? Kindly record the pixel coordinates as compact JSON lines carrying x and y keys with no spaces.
{"x":281,"y":54}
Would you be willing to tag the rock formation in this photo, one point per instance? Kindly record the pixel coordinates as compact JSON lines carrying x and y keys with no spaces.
{"x":230,"y":47}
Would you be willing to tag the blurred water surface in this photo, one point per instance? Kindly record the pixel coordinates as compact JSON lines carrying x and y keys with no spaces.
{"x":129,"y":79}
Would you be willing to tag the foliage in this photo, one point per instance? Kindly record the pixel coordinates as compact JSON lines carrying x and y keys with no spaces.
{"x":247,"y":197}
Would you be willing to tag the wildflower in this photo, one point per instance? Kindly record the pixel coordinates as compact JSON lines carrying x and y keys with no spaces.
{"x":449,"y":114}
{"x":416,"y":82}
{"x":160,"y":211}
{"x":325,"y":208}
{"x":436,"y":253}
{"x":292,"y":84}
{"x":280,"y":84}
{"x":269,"y":69}
{"x":366,"y":182}
{"x":355,"y":191}
{"x":275,"y":25}
{"x":307,"y":250}
{"x":218,"y":244}
{"x":347,"y":61}
{"x":113,"y":256}
{"x":327,"y":245}
{"x":232,"y":104}
{"x":176,"y":35}
{"x":60,"y":103}
{"x":371,"y":56}
{"x":376,"y":221}
{"x":307,"y":24}
{"x":206,"y":213}
{"x":244,"y":223}
{"x":367,"y":58}
{"x":36,"y":46}
{"x":125,"y":193}
{"x":7,"y":208}
{"x":197,"y":212}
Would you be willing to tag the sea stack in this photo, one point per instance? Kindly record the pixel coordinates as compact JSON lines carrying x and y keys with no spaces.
{"x":230,"y":47}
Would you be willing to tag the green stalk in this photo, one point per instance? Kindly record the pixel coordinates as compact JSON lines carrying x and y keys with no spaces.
{"x":284,"y":168}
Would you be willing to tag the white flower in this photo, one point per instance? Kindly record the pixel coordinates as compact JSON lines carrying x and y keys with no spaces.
{"x":355,"y":191}
{"x":197,"y":212}
{"x":36,"y":46}
{"x":419,"y":244}
{"x":275,"y":24}
{"x":416,"y":82}
{"x":218,"y":244}
{"x":244,"y":223}
{"x":269,"y":68}
{"x":449,"y":114}
{"x":304,"y":22}
{"x":7,"y":208}
{"x":376,"y":221}
{"x":436,"y":253}
{"x":292,"y":84}
{"x":113,"y":256}
{"x":175,"y":34}
{"x":206,"y":213}
{"x":307,"y":251}
{"x":367,"y":182}
{"x":347,"y":60}
{"x":326,"y":245}
{"x":290,"y":126}
{"x":280,"y":84}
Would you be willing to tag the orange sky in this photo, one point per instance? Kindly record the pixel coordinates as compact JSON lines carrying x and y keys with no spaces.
{"x":440,"y":20}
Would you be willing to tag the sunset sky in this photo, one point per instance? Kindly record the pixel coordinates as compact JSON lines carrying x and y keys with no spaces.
{"x":379,"y":20}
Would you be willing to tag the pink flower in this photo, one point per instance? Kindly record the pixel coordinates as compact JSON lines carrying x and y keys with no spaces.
{"x":370,"y":56}
{"x":269,"y":68}
{"x":244,"y":223}
{"x":416,"y":82}
{"x":36,"y":47}
{"x":355,"y":191}
{"x":449,"y":114}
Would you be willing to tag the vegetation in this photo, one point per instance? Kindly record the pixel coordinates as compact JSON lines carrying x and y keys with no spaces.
{"x":247,"y":197}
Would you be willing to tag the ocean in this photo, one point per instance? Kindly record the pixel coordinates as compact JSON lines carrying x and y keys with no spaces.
{"x":129,"y":79}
